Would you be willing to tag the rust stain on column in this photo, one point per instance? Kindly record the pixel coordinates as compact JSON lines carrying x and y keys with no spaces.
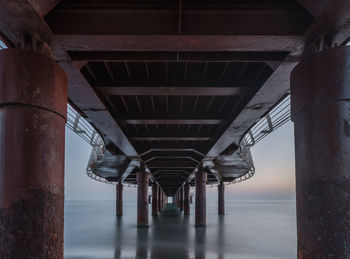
{"x":321,"y":113}
{"x":119,"y":199}
{"x":221,"y":198}
{"x":200,"y":205}
{"x":142,"y":203}
{"x":155,"y":199}
{"x":33,"y":103}
{"x":187,"y":199}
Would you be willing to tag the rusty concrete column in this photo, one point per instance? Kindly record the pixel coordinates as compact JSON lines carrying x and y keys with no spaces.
{"x":142,"y":203}
{"x":33,"y":108}
{"x":181,"y":198}
{"x":320,"y":92}
{"x":154,"y":199}
{"x":119,"y":201}
{"x":187,"y":199}
{"x":221,"y":198}
{"x":200,"y":205}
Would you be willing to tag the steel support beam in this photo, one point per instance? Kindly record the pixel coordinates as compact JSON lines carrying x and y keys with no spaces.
{"x":320,"y":111}
{"x":33,"y":110}
{"x":142,"y":195}
{"x":200,"y":204}
{"x":187,"y":199}
{"x":173,"y":121}
{"x":175,"y":90}
{"x":221,"y":198}
{"x":42,"y":7}
{"x":155,"y":208}
{"x":181,"y":198}
{"x":177,"y":42}
{"x":119,"y":200}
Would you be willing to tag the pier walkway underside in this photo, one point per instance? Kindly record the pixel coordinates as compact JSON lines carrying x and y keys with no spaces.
{"x":172,"y":95}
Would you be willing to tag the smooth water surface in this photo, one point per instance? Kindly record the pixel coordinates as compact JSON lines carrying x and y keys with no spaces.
{"x":249,"y":230}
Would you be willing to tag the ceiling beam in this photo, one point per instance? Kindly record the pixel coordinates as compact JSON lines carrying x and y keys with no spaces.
{"x":178,"y":91}
{"x":316,"y":8}
{"x":206,"y":20}
{"x":171,"y":138}
{"x":42,"y":7}
{"x":264,"y":43}
{"x":173,"y":121}
{"x":171,"y":56}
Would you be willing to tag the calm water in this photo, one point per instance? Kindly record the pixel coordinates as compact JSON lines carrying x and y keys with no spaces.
{"x":251,"y":229}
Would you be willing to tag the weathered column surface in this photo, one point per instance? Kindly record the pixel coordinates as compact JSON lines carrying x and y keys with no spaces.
{"x":142,"y":202}
{"x":33,"y":108}
{"x":155,"y":199}
{"x":200,"y":205}
{"x":221,"y":198}
{"x":119,"y":201}
{"x":187,"y":199}
{"x":320,"y":91}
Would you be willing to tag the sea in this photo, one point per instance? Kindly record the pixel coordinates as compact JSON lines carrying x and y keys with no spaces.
{"x":249,"y":230}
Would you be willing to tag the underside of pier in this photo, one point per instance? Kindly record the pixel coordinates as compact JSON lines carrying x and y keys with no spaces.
{"x":172,"y":91}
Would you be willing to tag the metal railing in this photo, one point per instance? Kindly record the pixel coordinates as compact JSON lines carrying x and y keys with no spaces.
{"x":87,"y":132}
{"x":274,"y":119}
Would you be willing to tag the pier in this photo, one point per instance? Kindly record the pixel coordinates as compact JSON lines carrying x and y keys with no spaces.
{"x":171,"y":96}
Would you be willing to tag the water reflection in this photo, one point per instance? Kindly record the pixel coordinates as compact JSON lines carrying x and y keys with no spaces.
{"x":200,"y":233}
{"x":170,"y":235}
{"x":142,"y":243}
{"x":220,"y":237}
{"x":267,"y":231}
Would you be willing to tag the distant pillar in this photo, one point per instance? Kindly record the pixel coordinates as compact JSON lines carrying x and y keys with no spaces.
{"x":181,"y":197}
{"x":154,"y":199}
{"x":187,"y":199}
{"x":159,"y":198}
{"x":119,"y":198}
{"x":33,"y":109}
{"x":191,"y":199}
{"x":162,"y":199}
{"x":200,"y":205}
{"x":320,"y":95}
{"x":142,"y":192}
{"x":221,"y":198}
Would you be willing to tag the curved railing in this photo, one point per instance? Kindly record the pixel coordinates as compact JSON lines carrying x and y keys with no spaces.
{"x":271,"y":121}
{"x":275,"y":118}
{"x":86,"y":131}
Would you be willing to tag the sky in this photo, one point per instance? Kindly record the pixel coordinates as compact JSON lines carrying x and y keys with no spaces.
{"x":273,"y":180}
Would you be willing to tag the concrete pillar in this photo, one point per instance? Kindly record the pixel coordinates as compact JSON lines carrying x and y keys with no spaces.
{"x":187,"y":199}
{"x":142,"y":203}
{"x":33,"y":108}
{"x":181,"y":198}
{"x":320,"y":92}
{"x":119,"y":201}
{"x":221,"y":198}
{"x":200,"y":205}
{"x":155,"y":199}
